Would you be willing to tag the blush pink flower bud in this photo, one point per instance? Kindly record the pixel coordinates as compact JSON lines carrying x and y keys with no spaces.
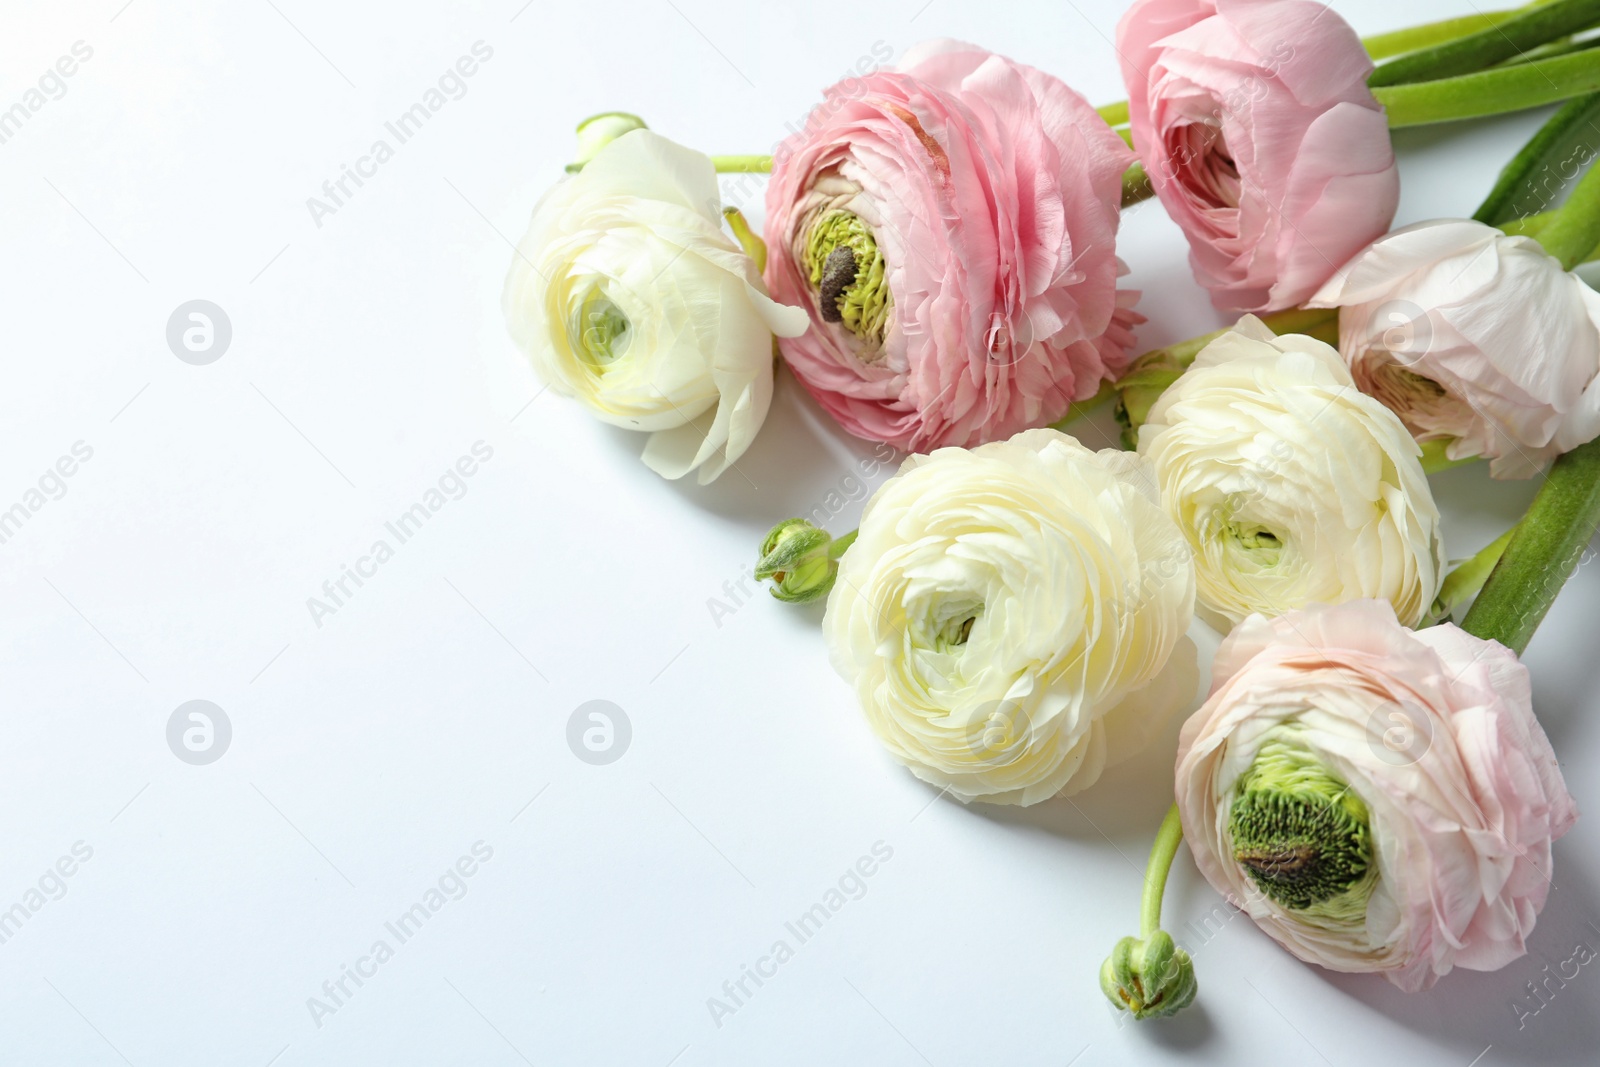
{"x":1260,"y":136}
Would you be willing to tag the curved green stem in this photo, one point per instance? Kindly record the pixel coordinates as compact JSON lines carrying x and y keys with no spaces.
{"x":1546,"y":163}
{"x":1168,"y":838}
{"x":742,"y":164}
{"x":1574,"y":230}
{"x":1136,"y":186}
{"x":1115,"y":114}
{"x":1542,"y":552}
{"x":1491,"y":92}
{"x":1494,"y":44}
{"x":1385,"y":45}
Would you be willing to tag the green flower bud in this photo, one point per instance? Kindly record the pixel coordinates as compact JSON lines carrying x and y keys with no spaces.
{"x":1151,"y":978}
{"x":1300,"y":833}
{"x":800,"y":560}
{"x":597,"y":131}
{"x":849,"y":274}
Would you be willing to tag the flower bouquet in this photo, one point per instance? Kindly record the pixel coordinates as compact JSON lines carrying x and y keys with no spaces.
{"x":1365,"y":778}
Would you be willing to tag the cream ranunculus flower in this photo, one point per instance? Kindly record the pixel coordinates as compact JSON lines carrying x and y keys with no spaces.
{"x":627,"y":294}
{"x":1291,"y":486}
{"x":1376,"y":799}
{"x":1473,"y":337}
{"x":1014,"y":617}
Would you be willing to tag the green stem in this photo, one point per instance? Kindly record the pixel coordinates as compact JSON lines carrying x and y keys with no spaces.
{"x":1168,"y":838}
{"x":1568,"y":138}
{"x":1575,"y":229}
{"x":836,"y":548}
{"x":1385,"y":45}
{"x":742,"y":164}
{"x":1313,"y":322}
{"x":1491,"y":45}
{"x":1080,"y":408}
{"x":1542,"y":553}
{"x":1491,"y":92}
{"x":1115,"y":114}
{"x":1136,"y":186}
{"x":1467,"y":579}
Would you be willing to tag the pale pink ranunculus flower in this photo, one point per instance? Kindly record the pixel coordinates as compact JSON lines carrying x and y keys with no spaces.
{"x":1256,"y":126}
{"x":1473,"y":337}
{"x":951,"y":227}
{"x":1377,"y":799}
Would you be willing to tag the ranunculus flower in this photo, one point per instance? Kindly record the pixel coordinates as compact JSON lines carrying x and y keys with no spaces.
{"x":1376,"y":799}
{"x":1014,"y":617}
{"x":1291,"y":486}
{"x":1474,"y":337}
{"x":951,"y":228}
{"x":627,"y":294}
{"x":1255,"y":123}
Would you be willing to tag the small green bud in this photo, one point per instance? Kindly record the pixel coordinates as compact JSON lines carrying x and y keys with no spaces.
{"x":597,"y":131}
{"x":800,"y":560}
{"x":1150,"y":978}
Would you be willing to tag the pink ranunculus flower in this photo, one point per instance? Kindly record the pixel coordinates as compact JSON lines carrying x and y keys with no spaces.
{"x":1256,"y":126}
{"x":1377,"y":799}
{"x":1476,"y":338}
{"x":951,"y":227}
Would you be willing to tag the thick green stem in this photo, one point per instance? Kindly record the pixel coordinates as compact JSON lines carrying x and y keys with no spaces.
{"x":1554,"y":155}
{"x":1385,"y":45}
{"x":1491,"y":45}
{"x":1491,"y":92}
{"x":742,"y":164}
{"x":1115,"y":114}
{"x":1467,"y":579}
{"x":1575,"y":229}
{"x":1168,"y":838}
{"x":1311,"y":321}
{"x":1080,"y":408}
{"x":1136,"y":186}
{"x":1542,"y":553}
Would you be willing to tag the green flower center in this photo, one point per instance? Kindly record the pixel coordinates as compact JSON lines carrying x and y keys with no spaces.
{"x":1259,"y":543}
{"x":1301,"y":834}
{"x":600,"y":331}
{"x":848,"y":272}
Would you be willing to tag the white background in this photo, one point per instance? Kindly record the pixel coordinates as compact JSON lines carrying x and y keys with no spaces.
{"x":371,"y":752}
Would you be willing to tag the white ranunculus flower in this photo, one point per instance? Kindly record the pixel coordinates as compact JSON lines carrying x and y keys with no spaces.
{"x":1014,"y":617}
{"x":1291,"y":486}
{"x":627,"y":294}
{"x":1474,"y":337}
